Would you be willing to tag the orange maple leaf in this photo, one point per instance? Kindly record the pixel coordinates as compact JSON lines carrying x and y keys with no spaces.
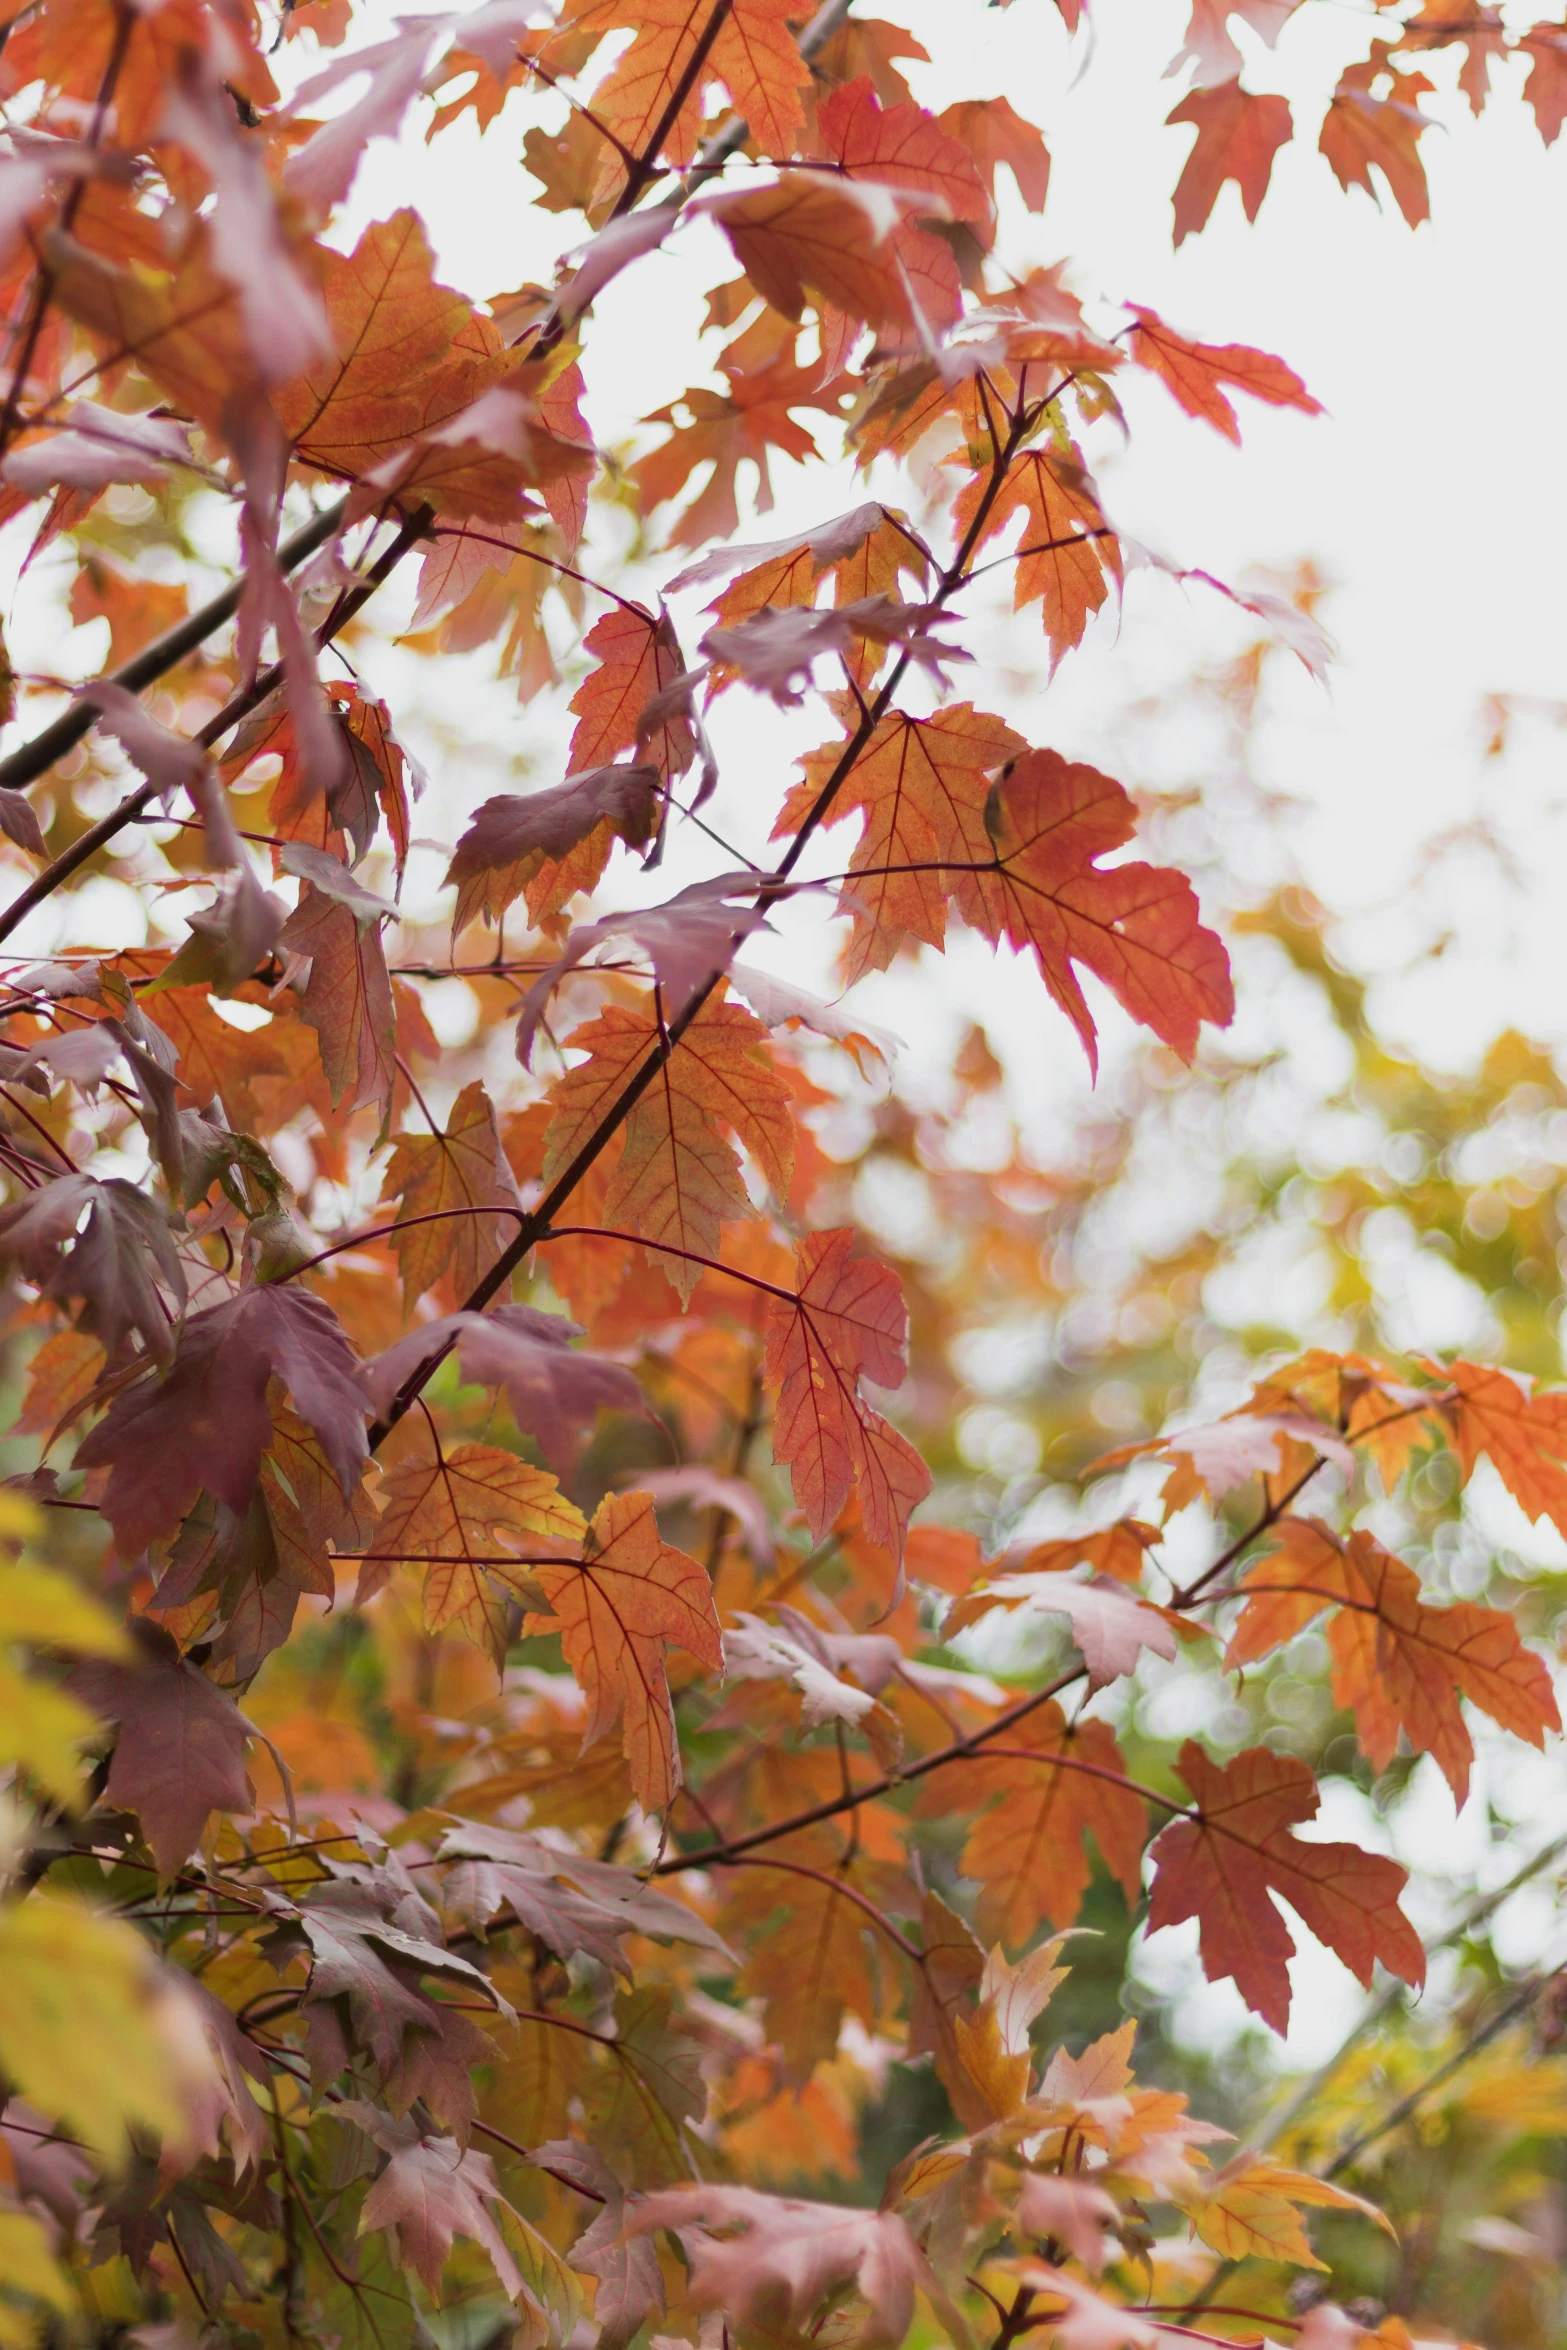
{"x":1027,"y":1851}
{"x":638,"y":658}
{"x":864,"y":553}
{"x":1546,"y":87}
{"x":821,"y":1965}
{"x":847,"y":1321}
{"x":1238,"y":136}
{"x":411,"y":354}
{"x":922,"y":786}
{"x":904,"y":147}
{"x":726,"y":429}
{"x":617,"y":1609}
{"x":548,"y":845}
{"x":1223,"y":1864}
{"x":754,"y":54}
{"x":1134,"y":926}
{"x":1398,"y":1664}
{"x":812,"y":236}
{"x":347,"y":997}
{"x":448,"y":1515}
{"x":461,"y":1167}
{"x":1066,"y":554}
{"x":995,"y":134}
{"x":1524,"y":1435}
{"x":1360,"y":131}
{"x":1196,"y":373}
{"x":676,"y":1176}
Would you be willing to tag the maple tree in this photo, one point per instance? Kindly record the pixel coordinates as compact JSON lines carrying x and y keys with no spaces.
{"x":542,"y":1802}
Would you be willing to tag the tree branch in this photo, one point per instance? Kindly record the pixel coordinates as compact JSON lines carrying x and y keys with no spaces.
{"x":238,"y":706}
{"x":32,"y":759}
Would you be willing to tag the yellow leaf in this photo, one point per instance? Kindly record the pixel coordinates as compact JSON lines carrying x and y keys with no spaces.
{"x":83,"y":2033}
{"x":28,"y":2266}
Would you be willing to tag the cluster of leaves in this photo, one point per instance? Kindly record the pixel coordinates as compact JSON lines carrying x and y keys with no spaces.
{"x":506,"y":1941}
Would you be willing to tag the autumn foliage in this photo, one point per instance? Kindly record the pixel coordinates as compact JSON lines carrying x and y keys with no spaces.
{"x":531,"y":1817}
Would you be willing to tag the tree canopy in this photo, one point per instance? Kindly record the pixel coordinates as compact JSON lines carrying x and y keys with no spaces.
{"x":642,"y":1648}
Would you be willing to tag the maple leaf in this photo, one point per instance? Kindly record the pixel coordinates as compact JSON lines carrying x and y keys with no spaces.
{"x":460,"y":1168}
{"x":113,"y":1261}
{"x":1398,"y":1664}
{"x":42,"y":1729}
{"x":260,"y":1566}
{"x":549,"y":844}
{"x":834,"y":239}
{"x":446,"y":1514}
{"x":865,"y":552}
{"x":639,"y":659}
{"x":206,"y":1424}
{"x":689,"y":940}
{"x":1134,"y":926}
{"x":572,"y":1902}
{"x":774,"y":649}
{"x":1208,"y":46}
{"x":781,"y":2258}
{"x":1081,"y":2217}
{"x":922,"y":786}
{"x":1067,"y":554}
{"x":1222,"y":1866}
{"x":369,"y":1944}
{"x":995,"y":135}
{"x":346,"y":992}
{"x":617,"y":1610}
{"x":1109,"y":1630}
{"x":1361,"y":130}
{"x":630,"y":2283}
{"x":478,"y":465}
{"x":1238,"y":136}
{"x":904,"y":148}
{"x":1196,"y":373}
{"x":727,"y":430}
{"x":753,"y":53}
{"x":1120,"y":1550}
{"x":846,"y":1322}
{"x":1546,"y":86}
{"x":650,"y":2092}
{"x":431,"y":2190}
{"x":676,"y":1178}
{"x":1478,"y":31}
{"x":996,"y":2046}
{"x":814,"y":1662}
{"x":1523,"y":1436}
{"x":1026,"y":1851}
{"x":1248,"y":2210}
{"x":85,"y":2036}
{"x":180,"y":1751}
{"x":92,"y":447}
{"x":554,"y":1388}
{"x":944,"y":1986}
{"x":412,"y":354}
